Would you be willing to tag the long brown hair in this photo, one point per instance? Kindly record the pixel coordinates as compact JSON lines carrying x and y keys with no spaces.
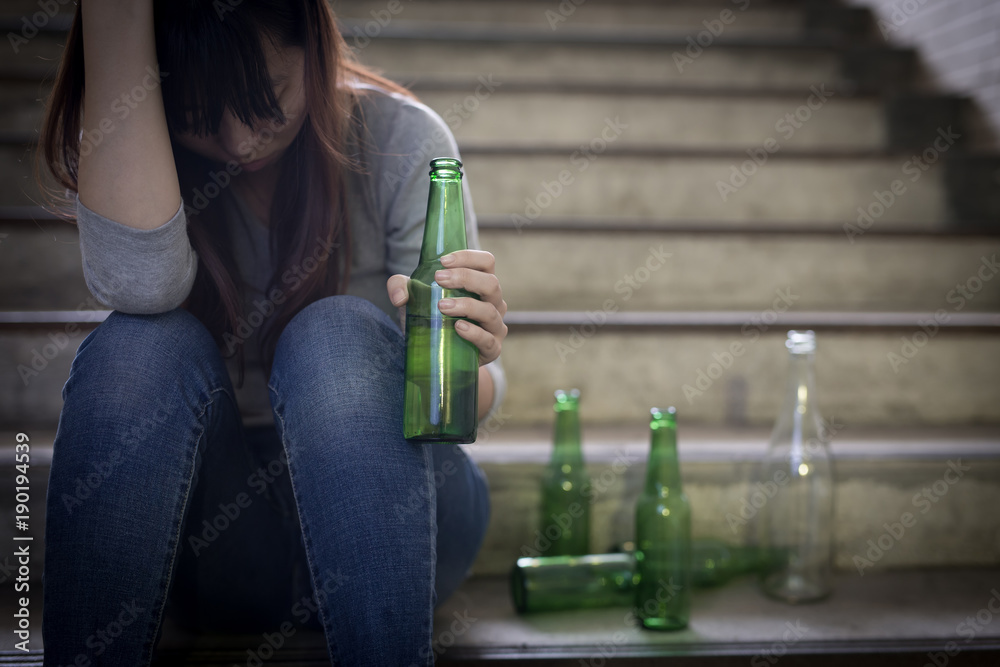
{"x":213,"y":59}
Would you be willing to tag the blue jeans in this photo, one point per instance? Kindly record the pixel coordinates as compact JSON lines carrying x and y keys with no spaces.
{"x":161,"y":502}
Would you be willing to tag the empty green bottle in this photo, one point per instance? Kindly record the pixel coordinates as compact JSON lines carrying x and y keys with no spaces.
{"x":441,"y":395}
{"x":609,"y":580}
{"x":565,"y":516}
{"x":663,"y":533}
{"x":562,"y":583}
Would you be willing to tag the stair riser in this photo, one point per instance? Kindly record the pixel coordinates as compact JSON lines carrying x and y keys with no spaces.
{"x":950,"y":527}
{"x":712,"y":272}
{"x":529,"y":119}
{"x":946,"y":526}
{"x":950,"y":378}
{"x":371,"y":17}
{"x":589,"y":183}
{"x":824,"y":273}
{"x":716,"y":65}
{"x":869,"y":378}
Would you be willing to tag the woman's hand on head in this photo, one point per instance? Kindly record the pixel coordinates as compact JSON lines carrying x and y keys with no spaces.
{"x":471,"y":270}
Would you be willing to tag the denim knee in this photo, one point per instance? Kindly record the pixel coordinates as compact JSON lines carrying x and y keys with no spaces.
{"x":137,"y":354}
{"x":346,"y":342}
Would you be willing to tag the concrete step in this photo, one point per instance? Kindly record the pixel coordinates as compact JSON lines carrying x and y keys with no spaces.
{"x":715,"y":369}
{"x":524,"y":115}
{"x":367,"y":18}
{"x":531,"y":117}
{"x":713,"y":272}
{"x":600,"y":180}
{"x":632,"y":186}
{"x":41,"y":269}
{"x":414,"y":56}
{"x":896,"y":376}
{"x":879,"y":475}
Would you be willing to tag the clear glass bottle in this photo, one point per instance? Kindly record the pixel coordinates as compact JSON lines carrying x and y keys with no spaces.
{"x":796,"y":521}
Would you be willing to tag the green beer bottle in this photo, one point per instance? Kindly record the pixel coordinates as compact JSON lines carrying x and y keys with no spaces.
{"x":565,"y":518}
{"x":560,"y":583}
{"x":441,"y":395}
{"x":609,"y":580}
{"x":663,"y":533}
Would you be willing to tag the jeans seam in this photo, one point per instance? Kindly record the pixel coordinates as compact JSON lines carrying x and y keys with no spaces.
{"x":161,"y":603}
{"x":327,"y":628}
{"x":432,"y":543}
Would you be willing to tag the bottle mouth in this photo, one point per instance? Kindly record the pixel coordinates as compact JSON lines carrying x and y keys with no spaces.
{"x":446,"y":167}
{"x":801,"y":342}
{"x":567,"y":400}
{"x":662,"y":418}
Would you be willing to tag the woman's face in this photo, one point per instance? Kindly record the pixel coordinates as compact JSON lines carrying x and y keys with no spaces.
{"x":259,"y":147}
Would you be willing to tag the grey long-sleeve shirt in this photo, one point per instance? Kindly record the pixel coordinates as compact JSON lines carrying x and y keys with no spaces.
{"x":151,"y":271}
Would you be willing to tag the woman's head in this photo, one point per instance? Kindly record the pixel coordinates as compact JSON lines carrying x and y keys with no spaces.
{"x":242,"y":80}
{"x":236,"y":84}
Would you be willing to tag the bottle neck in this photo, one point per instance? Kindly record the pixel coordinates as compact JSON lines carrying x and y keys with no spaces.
{"x":663,"y":468}
{"x":799,"y":416}
{"x":566,"y":437}
{"x":444,"y":230}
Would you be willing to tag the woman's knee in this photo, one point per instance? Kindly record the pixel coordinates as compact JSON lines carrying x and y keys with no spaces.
{"x":341,"y":334}
{"x":139,"y":353}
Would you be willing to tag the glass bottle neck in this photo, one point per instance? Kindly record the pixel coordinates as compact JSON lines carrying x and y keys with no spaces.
{"x":444,"y":231}
{"x":798,"y":414}
{"x":663,"y":469}
{"x":566,"y":438}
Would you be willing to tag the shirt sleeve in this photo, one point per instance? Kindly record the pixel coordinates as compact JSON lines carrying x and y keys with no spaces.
{"x":140,"y":271}
{"x":416,"y":135}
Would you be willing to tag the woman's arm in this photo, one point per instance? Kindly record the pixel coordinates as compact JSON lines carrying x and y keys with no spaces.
{"x":127,"y":171}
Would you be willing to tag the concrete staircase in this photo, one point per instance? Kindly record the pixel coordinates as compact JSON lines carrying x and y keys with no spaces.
{"x":659,"y":182}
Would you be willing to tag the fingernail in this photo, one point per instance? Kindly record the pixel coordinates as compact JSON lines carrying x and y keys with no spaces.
{"x":397,"y":296}
{"x":442,"y":275}
{"x":462,"y":324}
{"x":446,"y":303}
{"x":448,"y":260}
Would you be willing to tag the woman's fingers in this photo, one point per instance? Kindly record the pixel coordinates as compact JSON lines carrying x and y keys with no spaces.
{"x":396,"y":287}
{"x":488,"y":344}
{"x":484,"y":313}
{"x":486,"y":285}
